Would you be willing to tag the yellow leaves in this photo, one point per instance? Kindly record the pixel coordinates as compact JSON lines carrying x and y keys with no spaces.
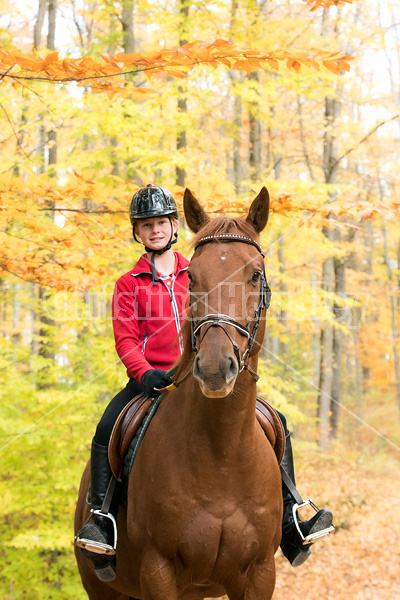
{"x":41,"y":538}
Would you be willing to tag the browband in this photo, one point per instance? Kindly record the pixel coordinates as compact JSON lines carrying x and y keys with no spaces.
{"x":229,"y":237}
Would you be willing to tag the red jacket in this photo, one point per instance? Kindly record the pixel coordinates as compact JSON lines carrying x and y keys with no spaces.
{"x":147,"y":318}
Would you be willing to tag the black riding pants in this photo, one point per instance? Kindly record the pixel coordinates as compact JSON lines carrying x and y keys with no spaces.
{"x":110,"y":415}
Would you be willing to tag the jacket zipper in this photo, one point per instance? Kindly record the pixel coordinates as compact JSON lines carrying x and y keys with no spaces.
{"x":174,"y":306}
{"x":144,"y":342}
{"x":175,"y":309}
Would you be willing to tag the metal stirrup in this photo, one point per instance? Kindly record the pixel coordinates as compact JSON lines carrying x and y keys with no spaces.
{"x":300,"y":503}
{"x":98,"y":547}
{"x":311,"y":537}
{"x":92,"y":545}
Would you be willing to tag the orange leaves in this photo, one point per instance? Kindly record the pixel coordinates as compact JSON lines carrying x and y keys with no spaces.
{"x":325,"y":3}
{"x":52,"y":57}
{"x":47,"y":235}
{"x":106,"y":75}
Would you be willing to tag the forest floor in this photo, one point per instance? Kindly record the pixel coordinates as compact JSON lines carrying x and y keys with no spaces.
{"x":361,"y":559}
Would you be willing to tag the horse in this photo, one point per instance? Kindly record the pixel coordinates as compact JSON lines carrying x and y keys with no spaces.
{"x":204,"y":502}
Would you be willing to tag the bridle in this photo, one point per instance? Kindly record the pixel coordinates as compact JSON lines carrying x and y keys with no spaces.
{"x":221,"y":320}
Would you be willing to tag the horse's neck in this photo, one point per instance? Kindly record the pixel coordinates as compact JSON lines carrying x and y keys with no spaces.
{"x":222,"y":427}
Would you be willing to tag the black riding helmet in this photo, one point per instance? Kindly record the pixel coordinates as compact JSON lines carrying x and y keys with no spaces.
{"x":154,"y":201}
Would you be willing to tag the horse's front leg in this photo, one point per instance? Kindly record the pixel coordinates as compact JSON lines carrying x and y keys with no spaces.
{"x":157,"y":578}
{"x":261,"y":581}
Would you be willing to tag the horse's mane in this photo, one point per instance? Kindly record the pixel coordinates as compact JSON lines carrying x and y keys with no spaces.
{"x":213,"y":227}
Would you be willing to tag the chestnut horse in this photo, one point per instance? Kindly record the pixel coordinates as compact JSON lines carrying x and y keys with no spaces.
{"x":204,"y":509}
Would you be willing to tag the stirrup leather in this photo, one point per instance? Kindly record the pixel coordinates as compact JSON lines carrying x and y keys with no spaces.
{"x":92,"y":545}
{"x":312,"y":537}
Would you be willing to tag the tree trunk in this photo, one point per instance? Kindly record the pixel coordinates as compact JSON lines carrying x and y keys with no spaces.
{"x":276,"y":156}
{"x":237,"y":175}
{"x":254,"y":134}
{"x":326,"y":362}
{"x":16,"y":335}
{"x":284,"y":354}
{"x":337,"y":348}
{"x":127,"y":27}
{"x":394,"y":334}
{"x":37,"y":30}
{"x":303,"y":139}
{"x":358,"y":374}
{"x":33,"y":319}
{"x":237,"y":161}
{"x":46,"y":326}
{"x":180,"y":173}
{"x":328,"y":343}
{"x":51,"y":35}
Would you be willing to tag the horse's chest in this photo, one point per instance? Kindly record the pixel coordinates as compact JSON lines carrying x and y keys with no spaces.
{"x":210,"y":542}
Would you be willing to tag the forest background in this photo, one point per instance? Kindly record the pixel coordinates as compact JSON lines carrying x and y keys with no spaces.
{"x":96,"y":100}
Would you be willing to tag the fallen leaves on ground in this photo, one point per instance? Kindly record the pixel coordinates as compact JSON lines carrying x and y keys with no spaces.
{"x":361,"y":559}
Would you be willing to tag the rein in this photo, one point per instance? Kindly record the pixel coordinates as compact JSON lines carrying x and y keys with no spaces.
{"x":220,"y":320}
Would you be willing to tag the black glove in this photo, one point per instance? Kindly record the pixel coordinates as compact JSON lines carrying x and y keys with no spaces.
{"x":155,"y":379}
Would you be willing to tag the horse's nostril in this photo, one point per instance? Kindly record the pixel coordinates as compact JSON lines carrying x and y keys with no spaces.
{"x":196,"y":368}
{"x":232,"y":370}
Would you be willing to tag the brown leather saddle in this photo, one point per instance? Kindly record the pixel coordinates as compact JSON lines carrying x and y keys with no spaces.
{"x":138,"y":410}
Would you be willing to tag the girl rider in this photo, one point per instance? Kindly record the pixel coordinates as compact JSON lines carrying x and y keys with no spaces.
{"x":148,"y":308}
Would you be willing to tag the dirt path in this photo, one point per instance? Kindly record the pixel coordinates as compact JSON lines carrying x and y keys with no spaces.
{"x":361,"y":560}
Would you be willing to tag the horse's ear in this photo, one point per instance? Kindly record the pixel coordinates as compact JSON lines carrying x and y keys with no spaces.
{"x":259,"y":209}
{"x":195,"y":215}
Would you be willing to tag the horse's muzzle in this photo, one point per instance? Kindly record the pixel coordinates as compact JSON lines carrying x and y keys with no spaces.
{"x":216,"y":377}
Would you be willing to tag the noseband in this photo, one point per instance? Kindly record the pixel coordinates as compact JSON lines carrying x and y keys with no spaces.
{"x":221,"y":320}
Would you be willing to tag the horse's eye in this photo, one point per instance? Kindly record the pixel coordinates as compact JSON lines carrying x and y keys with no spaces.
{"x":256,"y":276}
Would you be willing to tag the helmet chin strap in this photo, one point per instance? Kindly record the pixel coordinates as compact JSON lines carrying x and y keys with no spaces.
{"x":173,"y":240}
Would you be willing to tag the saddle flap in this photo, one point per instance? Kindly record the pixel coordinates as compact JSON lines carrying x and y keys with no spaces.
{"x":124,"y":431}
{"x":272,"y":426}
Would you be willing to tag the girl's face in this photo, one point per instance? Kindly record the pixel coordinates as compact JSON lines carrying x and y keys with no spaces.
{"x":155,"y":232}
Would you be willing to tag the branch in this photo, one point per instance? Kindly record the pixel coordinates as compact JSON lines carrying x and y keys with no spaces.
{"x":6,"y":73}
{"x":16,"y":136}
{"x":335,"y":164}
{"x":72,"y":79}
{"x":86,"y":210}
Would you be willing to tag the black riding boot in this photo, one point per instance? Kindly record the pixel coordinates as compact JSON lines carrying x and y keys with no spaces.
{"x":292,"y":545}
{"x":99,"y":529}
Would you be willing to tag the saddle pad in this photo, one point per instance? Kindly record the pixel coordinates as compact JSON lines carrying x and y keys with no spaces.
{"x":272,"y":426}
{"x":124,"y":431}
